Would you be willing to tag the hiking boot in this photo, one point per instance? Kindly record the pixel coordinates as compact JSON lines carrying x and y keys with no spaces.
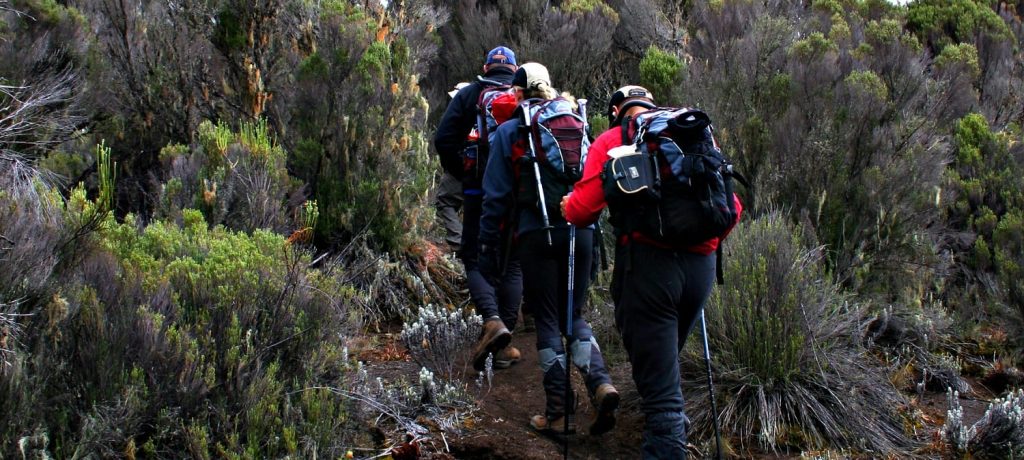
{"x":493,"y":338}
{"x":551,"y":426}
{"x":606,"y":401}
{"x":506,"y":357}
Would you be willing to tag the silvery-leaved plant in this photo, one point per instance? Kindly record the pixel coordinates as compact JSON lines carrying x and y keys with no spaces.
{"x":998,"y":434}
{"x":437,"y":339}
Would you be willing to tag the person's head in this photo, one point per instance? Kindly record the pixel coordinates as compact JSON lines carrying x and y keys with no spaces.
{"x":501,"y":56}
{"x":628,"y":101}
{"x":458,"y":87}
{"x":533,"y":81}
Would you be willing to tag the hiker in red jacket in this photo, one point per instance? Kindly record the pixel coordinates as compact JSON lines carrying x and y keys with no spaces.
{"x":657,"y":301}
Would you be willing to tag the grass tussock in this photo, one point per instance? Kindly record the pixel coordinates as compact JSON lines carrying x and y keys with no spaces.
{"x":789,"y":367}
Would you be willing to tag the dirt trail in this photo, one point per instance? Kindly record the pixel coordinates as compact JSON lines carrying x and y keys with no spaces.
{"x":516,"y":394}
{"x":501,"y":428}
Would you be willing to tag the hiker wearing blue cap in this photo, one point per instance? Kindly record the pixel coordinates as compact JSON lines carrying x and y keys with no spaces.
{"x":498,"y":305}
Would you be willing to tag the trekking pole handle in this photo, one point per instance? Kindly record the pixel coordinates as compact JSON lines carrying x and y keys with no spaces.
{"x":583,"y":111}
{"x":525,"y":106}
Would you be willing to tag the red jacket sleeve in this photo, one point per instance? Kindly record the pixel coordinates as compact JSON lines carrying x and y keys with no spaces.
{"x":587,"y":198}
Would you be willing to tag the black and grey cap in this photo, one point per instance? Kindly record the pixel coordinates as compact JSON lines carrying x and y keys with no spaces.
{"x":626,"y":97}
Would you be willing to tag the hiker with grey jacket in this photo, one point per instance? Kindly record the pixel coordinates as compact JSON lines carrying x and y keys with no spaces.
{"x":513,"y":198}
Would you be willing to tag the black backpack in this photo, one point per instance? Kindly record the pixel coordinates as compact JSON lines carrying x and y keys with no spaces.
{"x":675,"y":186}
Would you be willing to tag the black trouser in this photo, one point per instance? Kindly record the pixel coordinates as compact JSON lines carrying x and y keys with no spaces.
{"x":546,"y":285}
{"x":501,"y":301}
{"x":658,"y":298}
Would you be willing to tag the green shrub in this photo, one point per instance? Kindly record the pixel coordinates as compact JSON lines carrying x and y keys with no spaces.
{"x":965,"y":55}
{"x":942,"y":22}
{"x":359,"y":140}
{"x":223,"y":329}
{"x":789,"y":368}
{"x":238,"y":179}
{"x":987,"y":204}
{"x":662,"y":74}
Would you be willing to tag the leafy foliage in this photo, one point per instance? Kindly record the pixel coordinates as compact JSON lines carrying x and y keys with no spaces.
{"x":188,"y":323}
{"x":882,"y":141}
{"x":661,"y":73}
{"x":986,"y":209}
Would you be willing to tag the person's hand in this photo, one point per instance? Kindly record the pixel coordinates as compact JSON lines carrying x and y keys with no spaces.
{"x":487,"y":262}
{"x":565,"y":199}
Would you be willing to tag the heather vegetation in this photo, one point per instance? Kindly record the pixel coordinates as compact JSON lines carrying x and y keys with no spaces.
{"x":210,"y":209}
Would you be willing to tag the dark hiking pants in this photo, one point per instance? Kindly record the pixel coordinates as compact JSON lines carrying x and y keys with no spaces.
{"x":502,"y":300}
{"x":546,"y":286}
{"x":658,"y":298}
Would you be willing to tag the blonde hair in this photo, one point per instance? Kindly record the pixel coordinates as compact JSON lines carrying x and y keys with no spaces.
{"x":540,"y":90}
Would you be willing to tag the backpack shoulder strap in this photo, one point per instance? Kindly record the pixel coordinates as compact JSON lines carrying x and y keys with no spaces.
{"x":626,"y":123}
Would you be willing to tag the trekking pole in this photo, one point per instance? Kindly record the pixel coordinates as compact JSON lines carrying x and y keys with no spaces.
{"x":711,"y":386}
{"x":536,"y":169}
{"x":570,"y":303}
{"x":569,"y":333}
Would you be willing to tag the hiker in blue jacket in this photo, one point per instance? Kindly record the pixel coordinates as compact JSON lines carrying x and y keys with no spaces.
{"x":545,"y":283}
{"x":499,"y":306}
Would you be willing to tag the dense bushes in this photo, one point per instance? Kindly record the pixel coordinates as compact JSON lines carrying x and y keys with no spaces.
{"x":179,"y":336}
{"x":195,"y":325}
{"x":246,"y":134}
{"x":984,"y":214}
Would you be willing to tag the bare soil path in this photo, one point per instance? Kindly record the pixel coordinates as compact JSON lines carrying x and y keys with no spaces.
{"x":501,"y":430}
{"x":516,"y":394}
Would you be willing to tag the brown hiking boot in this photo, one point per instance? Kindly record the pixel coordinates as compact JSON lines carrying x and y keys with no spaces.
{"x":551,"y":426}
{"x":506,"y":357}
{"x":606,"y":401}
{"x":493,"y":338}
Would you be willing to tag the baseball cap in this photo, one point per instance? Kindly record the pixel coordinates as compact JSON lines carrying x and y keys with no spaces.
{"x":458,"y":87}
{"x":627,"y":97}
{"x":531,"y":75}
{"x":501,"y":55}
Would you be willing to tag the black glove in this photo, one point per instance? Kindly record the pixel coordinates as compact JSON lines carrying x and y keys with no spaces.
{"x":452,"y":164}
{"x":487,"y":263}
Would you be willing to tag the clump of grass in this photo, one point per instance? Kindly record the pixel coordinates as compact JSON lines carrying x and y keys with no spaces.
{"x":785,"y":340}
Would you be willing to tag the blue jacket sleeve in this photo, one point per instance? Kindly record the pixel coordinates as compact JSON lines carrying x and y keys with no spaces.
{"x":498,"y":184}
{"x":457,"y":122}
